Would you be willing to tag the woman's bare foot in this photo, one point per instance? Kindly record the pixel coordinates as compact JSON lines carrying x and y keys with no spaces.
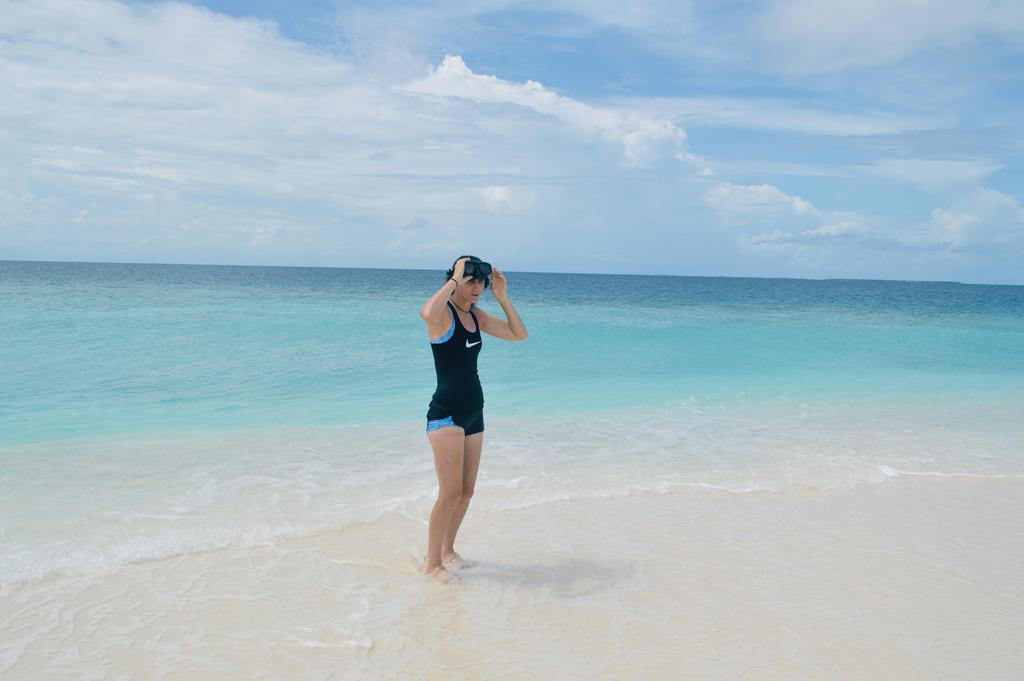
{"x":441,"y":574}
{"x":455,"y":561}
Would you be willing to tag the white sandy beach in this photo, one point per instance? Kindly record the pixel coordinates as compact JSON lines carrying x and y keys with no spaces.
{"x":913,"y":578}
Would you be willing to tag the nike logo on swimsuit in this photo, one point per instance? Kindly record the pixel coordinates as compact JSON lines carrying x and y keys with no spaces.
{"x":469,"y":345}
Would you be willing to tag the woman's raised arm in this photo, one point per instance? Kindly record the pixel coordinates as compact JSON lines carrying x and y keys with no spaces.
{"x":433,"y":309}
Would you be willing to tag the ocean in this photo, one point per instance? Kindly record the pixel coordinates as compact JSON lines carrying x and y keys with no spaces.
{"x":162,"y":418}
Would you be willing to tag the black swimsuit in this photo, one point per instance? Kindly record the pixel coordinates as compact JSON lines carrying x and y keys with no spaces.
{"x":459,"y":397}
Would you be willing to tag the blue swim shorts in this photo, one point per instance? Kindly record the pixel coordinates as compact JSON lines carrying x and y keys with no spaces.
{"x":472,"y":423}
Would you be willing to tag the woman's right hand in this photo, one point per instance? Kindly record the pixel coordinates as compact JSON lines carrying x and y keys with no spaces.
{"x":459,"y":271}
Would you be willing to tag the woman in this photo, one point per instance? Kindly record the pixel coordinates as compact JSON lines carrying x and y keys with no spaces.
{"x":455,"y":421}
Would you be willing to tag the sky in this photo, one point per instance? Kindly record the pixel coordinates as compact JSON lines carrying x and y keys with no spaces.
{"x":784,"y":138}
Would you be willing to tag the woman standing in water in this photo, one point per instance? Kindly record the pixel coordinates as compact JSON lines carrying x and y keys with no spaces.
{"x":455,"y":419}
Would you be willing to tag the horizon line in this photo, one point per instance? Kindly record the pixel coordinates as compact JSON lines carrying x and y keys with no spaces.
{"x":595,"y":274}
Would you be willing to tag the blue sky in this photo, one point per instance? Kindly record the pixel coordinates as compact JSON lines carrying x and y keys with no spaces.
{"x":853,"y":138}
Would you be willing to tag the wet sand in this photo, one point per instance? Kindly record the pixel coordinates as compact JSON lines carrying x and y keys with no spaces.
{"x":913,"y":578}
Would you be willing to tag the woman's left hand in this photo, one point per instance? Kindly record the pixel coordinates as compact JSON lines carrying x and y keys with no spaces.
{"x":499,"y":284}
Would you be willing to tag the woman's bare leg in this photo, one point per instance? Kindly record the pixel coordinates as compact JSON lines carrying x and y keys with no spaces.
{"x":470,"y":466}
{"x":448,"y":445}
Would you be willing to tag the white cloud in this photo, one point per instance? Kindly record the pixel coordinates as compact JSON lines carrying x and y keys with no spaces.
{"x":934,"y":175}
{"x":759,"y":167}
{"x":641,"y":136}
{"x":61,"y":163}
{"x":162,"y":108}
{"x":811,"y":37}
{"x":838,"y":228}
{"x":795,"y":37}
{"x":762,"y":113}
{"x":749,"y":210}
{"x":983,"y":219}
{"x":980,"y":221}
{"x":496,"y":196}
{"x":746,"y":203}
{"x":155,"y":113}
{"x":390,"y":33}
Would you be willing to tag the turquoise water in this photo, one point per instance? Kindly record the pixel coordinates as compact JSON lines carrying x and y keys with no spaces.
{"x":155,"y":410}
{"x":104,"y":349}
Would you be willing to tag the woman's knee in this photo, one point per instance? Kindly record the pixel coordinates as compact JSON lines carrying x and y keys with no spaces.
{"x":467,"y":494}
{"x":449,"y":498}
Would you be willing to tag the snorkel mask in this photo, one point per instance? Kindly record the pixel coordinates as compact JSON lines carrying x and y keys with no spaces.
{"x":476,"y":268}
